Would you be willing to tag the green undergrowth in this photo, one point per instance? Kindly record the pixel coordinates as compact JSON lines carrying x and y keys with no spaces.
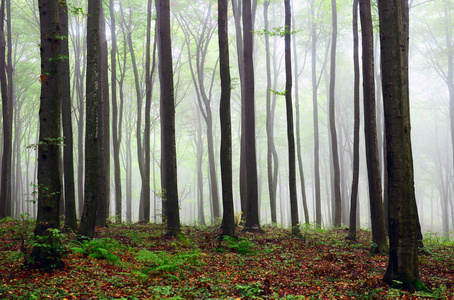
{"x":139,"y":261}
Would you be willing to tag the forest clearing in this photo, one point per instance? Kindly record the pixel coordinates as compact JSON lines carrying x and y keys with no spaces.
{"x":140,"y":262}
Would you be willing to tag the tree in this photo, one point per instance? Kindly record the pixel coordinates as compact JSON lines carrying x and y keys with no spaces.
{"x":252,"y":212}
{"x":355,"y":180}
{"x":237,"y":14}
{"x":145,"y":188}
{"x":103,"y":126}
{"x":49,"y":157}
{"x":115,"y":126}
{"x":332,"y":121}
{"x":92,"y":163}
{"x":68,"y":157}
{"x":146,"y":135}
{"x":403,"y":265}
{"x":7,"y":109}
{"x":272,"y":160}
{"x":168,"y":146}
{"x":228,"y":222}
{"x":298,"y":134}
{"x":370,"y":130}
{"x":318,"y":205}
{"x":290,"y":131}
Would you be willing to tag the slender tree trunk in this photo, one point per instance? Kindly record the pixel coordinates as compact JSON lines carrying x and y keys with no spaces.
{"x":5,"y":192}
{"x":252,"y":217}
{"x":79,"y":77}
{"x":237,"y":14}
{"x":271,"y":166}
{"x":370,"y":130}
{"x":298,"y":134}
{"x":290,"y":131}
{"x":200,"y":149}
{"x":104,"y":131}
{"x":87,"y":223}
{"x":49,"y":157}
{"x":128,"y":178}
{"x":68,"y":159}
{"x":116,"y":142}
{"x":332,"y":121}
{"x":318,"y":206}
{"x":355,"y":180}
{"x":168,"y":117}
{"x":140,"y":149}
{"x":228,"y":222}
{"x":146,"y":135}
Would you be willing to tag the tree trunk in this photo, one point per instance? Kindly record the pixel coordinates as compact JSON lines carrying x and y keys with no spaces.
{"x":146,"y":135}
{"x":140,"y":149}
{"x":252,"y":214}
{"x":271,"y":148}
{"x":116,"y":142}
{"x":332,"y":121}
{"x":298,"y":135}
{"x":103,"y":131}
{"x":7,"y":107}
{"x":290,"y":131}
{"x":68,"y":159}
{"x":403,"y":265}
{"x":168,"y":117}
{"x":200,"y":149}
{"x":370,"y":130}
{"x":49,"y":159}
{"x":355,"y":180}
{"x":237,"y":14}
{"x":228,"y":222}
{"x":87,"y":223}
{"x":318,"y":206}
{"x":79,"y":76}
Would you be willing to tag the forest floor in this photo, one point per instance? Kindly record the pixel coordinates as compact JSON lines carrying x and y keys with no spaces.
{"x":139,"y":262}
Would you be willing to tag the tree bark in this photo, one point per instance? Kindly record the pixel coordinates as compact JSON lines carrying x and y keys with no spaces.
{"x":252,"y":214}
{"x":403,"y":265}
{"x":68,"y":158}
{"x":146,"y":135}
{"x":332,"y":121}
{"x":103,"y":125}
{"x":272,"y":163}
{"x":237,"y":14}
{"x":290,"y":130}
{"x":298,"y":135}
{"x":115,"y":139}
{"x":318,"y":206}
{"x":7,"y":109}
{"x":355,"y":180}
{"x":168,"y":118}
{"x":228,"y":222}
{"x":49,"y":157}
{"x":91,"y":193}
{"x":370,"y":130}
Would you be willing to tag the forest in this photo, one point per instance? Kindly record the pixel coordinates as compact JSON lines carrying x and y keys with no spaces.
{"x":243,"y":149}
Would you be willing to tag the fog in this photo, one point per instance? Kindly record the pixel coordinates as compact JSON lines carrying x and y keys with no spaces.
{"x":197,"y":93}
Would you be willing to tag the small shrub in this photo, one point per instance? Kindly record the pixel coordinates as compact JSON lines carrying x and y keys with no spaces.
{"x":161,"y":262}
{"x":240,"y":245}
{"x":97,"y":249}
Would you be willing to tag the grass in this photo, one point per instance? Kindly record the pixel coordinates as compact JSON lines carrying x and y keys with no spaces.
{"x":140,"y":262}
